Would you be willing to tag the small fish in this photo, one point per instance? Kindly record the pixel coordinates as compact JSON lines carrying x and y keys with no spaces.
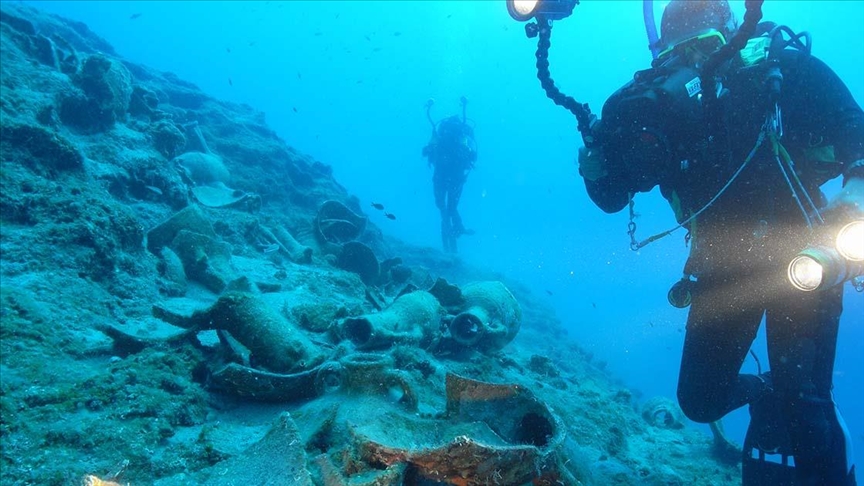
{"x":549,"y":292}
{"x":593,"y":305}
{"x":228,"y":50}
{"x":230,"y":82}
{"x":294,"y":108}
{"x":367,"y":38}
{"x":299,"y":76}
{"x":135,"y":16}
{"x":397,"y":34}
{"x":390,"y":216}
{"x":251,"y":43}
{"x":378,"y":206}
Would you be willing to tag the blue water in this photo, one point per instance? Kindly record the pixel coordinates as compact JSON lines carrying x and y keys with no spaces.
{"x":346,"y":82}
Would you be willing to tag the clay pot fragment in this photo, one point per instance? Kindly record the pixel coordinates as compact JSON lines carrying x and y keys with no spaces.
{"x":189,"y":218}
{"x":264,"y":386}
{"x":448,"y":294}
{"x":360,"y":259}
{"x":663,"y":413}
{"x":202,"y":168}
{"x":357,"y":374}
{"x":296,"y":251}
{"x":366,"y":374}
{"x":527,"y":437}
{"x":337,"y":224}
{"x":278,"y":458}
{"x":205,"y":259}
{"x":275,"y":344}
{"x":413,"y":318}
{"x":490,"y":317}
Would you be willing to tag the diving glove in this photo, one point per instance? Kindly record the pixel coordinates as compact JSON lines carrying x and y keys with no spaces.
{"x":592,"y":164}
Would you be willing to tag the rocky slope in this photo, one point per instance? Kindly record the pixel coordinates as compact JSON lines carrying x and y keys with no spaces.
{"x":180,"y":306}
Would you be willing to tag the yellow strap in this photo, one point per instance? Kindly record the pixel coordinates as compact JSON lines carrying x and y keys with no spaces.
{"x":755,"y":51}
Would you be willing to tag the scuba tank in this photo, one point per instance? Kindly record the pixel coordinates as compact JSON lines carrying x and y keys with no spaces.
{"x":452,"y":139}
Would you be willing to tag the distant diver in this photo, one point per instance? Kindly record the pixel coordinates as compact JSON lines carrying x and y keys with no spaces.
{"x":451,"y":153}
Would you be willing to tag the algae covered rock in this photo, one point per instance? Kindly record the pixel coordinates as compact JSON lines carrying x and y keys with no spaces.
{"x":167,"y":138}
{"x":143,"y":102}
{"x":39,"y":147}
{"x":104,"y":89}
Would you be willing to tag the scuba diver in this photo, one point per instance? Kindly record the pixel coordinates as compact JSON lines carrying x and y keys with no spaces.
{"x":716,"y":123}
{"x":451,"y":153}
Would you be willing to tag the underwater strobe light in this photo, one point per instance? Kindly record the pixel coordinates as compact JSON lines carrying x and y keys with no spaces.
{"x":819,"y":267}
{"x":524,"y":10}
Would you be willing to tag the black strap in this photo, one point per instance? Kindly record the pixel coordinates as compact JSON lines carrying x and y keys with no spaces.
{"x":580,"y":110}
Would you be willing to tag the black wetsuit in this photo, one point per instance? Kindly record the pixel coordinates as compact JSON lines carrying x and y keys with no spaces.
{"x":451,"y":159}
{"x":741,"y":246}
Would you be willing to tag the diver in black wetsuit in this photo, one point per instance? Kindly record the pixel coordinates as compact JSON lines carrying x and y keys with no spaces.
{"x":451,"y":153}
{"x":747,"y":209}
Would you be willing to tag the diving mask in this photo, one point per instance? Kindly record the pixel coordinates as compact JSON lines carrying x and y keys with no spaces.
{"x":703,"y":44}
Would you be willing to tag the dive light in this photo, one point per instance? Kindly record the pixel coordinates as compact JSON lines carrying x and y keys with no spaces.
{"x":850,"y":241}
{"x":818,"y":267}
{"x":524,"y":10}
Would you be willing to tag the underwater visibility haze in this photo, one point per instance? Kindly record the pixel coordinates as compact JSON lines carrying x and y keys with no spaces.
{"x":222,"y":258}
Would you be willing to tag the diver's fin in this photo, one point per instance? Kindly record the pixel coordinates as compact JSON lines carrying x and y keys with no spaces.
{"x":724,"y":450}
{"x":767,"y":453}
